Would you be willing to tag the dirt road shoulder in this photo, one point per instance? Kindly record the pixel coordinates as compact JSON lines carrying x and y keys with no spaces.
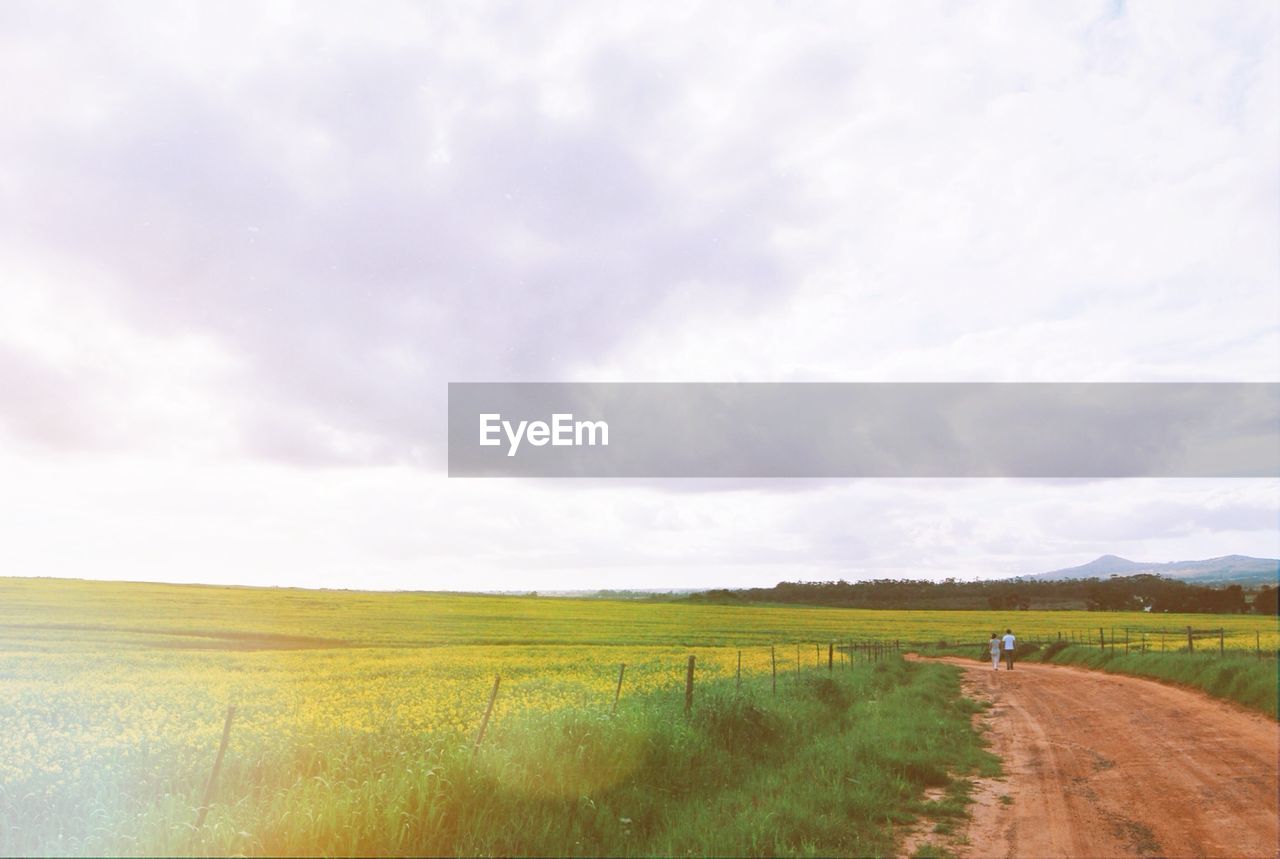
{"x":1106,"y":765}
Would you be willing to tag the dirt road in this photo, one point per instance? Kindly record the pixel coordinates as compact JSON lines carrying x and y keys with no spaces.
{"x":1103,"y":765}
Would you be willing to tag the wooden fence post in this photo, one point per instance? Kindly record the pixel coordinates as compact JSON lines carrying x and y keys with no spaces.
{"x":618,"y":693}
{"x":1126,"y":639}
{"x":1191,"y":644}
{"x":773,"y":663}
{"x":688,"y":686}
{"x":1257,"y":644}
{"x":1102,"y":639}
{"x":488,"y":711}
{"x":217,"y":766}
{"x":831,"y":656}
{"x":1222,"y":641}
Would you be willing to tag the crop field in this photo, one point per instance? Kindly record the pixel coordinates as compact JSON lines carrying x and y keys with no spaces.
{"x":357,"y":714}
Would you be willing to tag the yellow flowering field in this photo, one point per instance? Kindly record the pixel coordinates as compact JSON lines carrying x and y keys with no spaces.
{"x":113,"y":694}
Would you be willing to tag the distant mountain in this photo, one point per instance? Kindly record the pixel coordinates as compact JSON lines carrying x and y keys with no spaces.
{"x":1229,"y":569}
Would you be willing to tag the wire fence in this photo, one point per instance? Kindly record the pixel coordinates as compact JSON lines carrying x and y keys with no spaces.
{"x":1217,"y":641}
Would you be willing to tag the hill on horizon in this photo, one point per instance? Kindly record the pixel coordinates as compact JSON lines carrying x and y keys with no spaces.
{"x":1228,"y":569}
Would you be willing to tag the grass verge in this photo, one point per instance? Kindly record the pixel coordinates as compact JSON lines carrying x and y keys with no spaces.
{"x":833,"y":764}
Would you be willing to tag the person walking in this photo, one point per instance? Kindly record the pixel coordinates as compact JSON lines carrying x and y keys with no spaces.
{"x":1009,"y":643}
{"x":994,"y":645}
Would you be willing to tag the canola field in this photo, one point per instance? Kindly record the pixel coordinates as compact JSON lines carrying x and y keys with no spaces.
{"x":113,"y":695}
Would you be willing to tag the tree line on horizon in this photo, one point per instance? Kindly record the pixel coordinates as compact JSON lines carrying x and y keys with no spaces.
{"x":1144,"y":592}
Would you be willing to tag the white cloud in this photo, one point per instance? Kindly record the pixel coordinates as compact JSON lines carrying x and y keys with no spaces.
{"x":247,"y":245}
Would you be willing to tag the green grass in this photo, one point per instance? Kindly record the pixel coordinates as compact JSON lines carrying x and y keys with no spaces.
{"x":834,"y":764}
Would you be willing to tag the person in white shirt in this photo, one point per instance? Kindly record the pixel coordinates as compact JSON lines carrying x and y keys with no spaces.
{"x":995,"y":652}
{"x":1009,"y":642}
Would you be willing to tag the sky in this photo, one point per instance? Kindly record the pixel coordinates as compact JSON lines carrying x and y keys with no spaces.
{"x":245,"y":246}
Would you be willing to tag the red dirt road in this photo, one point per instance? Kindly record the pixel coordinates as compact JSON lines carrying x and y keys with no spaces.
{"x":1104,"y":765}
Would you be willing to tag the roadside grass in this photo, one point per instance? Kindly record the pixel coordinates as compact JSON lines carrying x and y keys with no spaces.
{"x":1244,"y":679}
{"x":835,"y":764}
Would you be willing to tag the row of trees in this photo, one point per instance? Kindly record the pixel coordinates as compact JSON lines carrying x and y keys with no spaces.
{"x":1152,"y":593}
{"x":1118,"y":593}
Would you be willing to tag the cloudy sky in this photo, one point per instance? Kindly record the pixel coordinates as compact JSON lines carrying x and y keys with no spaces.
{"x":244,"y":248}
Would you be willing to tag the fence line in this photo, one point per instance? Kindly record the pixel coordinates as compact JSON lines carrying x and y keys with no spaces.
{"x":852,"y":652}
{"x":1110,"y":640}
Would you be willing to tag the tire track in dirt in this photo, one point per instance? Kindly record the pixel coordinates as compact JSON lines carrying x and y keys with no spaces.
{"x":1107,"y":765}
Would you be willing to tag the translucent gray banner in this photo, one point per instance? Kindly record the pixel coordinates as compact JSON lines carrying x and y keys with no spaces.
{"x":763,"y":430}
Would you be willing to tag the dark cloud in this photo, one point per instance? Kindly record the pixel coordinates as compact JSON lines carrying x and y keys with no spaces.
{"x":362,"y":228}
